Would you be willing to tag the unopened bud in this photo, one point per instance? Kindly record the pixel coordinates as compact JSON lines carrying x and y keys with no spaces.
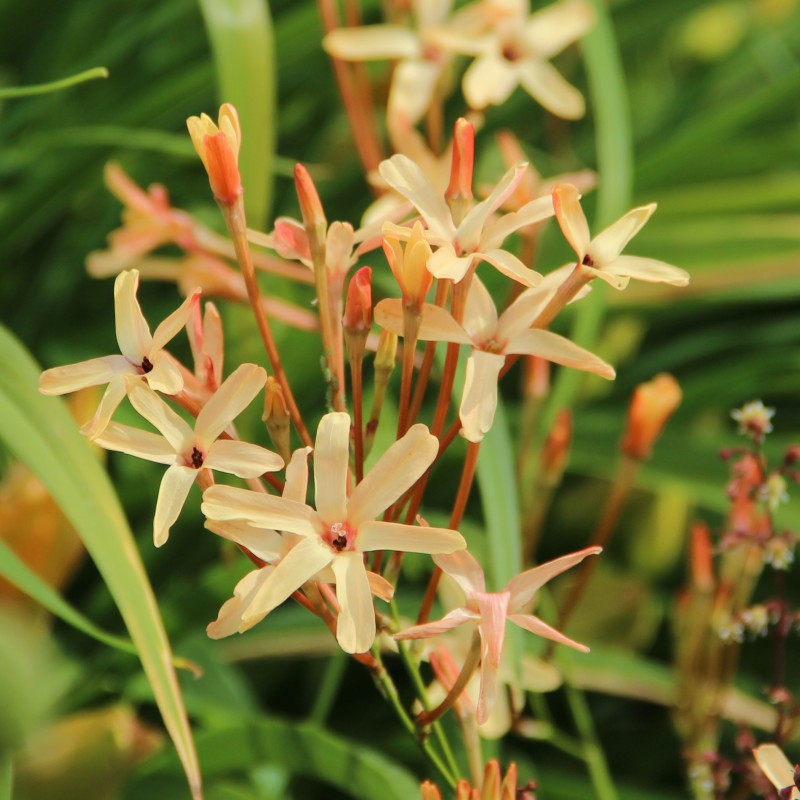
{"x":409,"y":266}
{"x":206,"y":342}
{"x":701,"y":559}
{"x":276,"y":418}
{"x":509,"y":791}
{"x":652,"y":404}
{"x":429,"y":791}
{"x":459,"y":191}
{"x":310,"y":205}
{"x":218,"y":148}
{"x":491,"y":781}
{"x":358,"y":313}
{"x":555,"y":450}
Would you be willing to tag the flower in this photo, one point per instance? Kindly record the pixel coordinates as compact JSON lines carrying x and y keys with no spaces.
{"x":754,"y":420}
{"x":490,"y":611}
{"x":218,"y":148}
{"x":601,"y":256}
{"x":492,"y":339}
{"x":187,"y":451}
{"x":341,"y":529}
{"x":142,"y":358}
{"x":475,"y":238}
{"x":782,"y":774}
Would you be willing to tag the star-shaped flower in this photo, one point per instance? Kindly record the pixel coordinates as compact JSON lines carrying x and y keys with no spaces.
{"x":601,"y":256}
{"x":142,"y":358}
{"x":490,"y":611}
{"x":188,"y":451}
{"x":341,"y":529}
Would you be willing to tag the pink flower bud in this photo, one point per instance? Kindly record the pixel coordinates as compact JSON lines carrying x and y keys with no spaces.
{"x":310,"y":205}
{"x":652,"y":404}
{"x":460,"y":188}
{"x":358,"y":307}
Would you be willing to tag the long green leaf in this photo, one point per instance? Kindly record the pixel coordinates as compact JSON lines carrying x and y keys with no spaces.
{"x":40,"y":432}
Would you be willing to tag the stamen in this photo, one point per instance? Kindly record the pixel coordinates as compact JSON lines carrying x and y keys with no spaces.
{"x":197,"y":458}
{"x":587,"y":261}
{"x":147,"y":365}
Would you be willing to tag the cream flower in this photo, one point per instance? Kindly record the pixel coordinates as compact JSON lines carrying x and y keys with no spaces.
{"x":142,"y":358}
{"x":492,"y":338}
{"x":601,"y":255}
{"x":341,"y":529}
{"x":187,"y":451}
{"x":478,"y":237}
{"x":490,"y":611}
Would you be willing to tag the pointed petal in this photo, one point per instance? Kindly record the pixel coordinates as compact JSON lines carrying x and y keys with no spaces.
{"x":436,"y":324}
{"x":522,"y":312}
{"x":135,"y":442}
{"x":480,"y":314}
{"x":545,"y":84}
{"x":261,"y":510}
{"x":407,"y":538}
{"x":268,"y":545}
{"x":299,"y":565}
{"x":488,"y":81}
{"x":133,"y":332}
{"x":524,"y":586}
{"x":296,"y":486}
{"x":571,"y":219}
{"x":462,"y":567}
{"x":446,"y":623}
{"x":405,"y":177}
{"x":94,"y":372}
{"x":556,"y":26}
{"x":174,"y":428}
{"x":479,"y":401}
{"x":617,"y":282}
{"x":444,"y":263}
{"x":172,"y":325}
{"x":172,"y":495}
{"x":495,"y":233}
{"x":339,"y":248}
{"x":493,"y":608}
{"x":608,"y":244}
{"x":395,"y":471}
{"x":331,"y":460}
{"x":372,"y":42}
{"x":235,"y":394}
{"x":535,"y":625}
{"x":411,"y":92}
{"x":648,"y":269}
{"x":355,"y":625}
{"x":229,"y":619}
{"x":380,"y":587}
{"x":243,"y":459}
{"x":510,"y":266}
{"x":114,"y":394}
{"x":165,"y":376}
{"x":553,"y":347}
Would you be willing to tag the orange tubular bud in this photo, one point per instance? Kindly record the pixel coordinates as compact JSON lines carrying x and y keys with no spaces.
{"x":218,"y":148}
{"x":310,"y":204}
{"x":701,"y":559}
{"x":555,"y":450}
{"x":459,"y":191}
{"x":652,"y":404}
{"x":409,"y":266}
{"x":358,"y":307}
{"x":429,"y":791}
{"x":491,"y":781}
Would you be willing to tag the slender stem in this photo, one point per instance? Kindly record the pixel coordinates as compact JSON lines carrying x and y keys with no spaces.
{"x":329,"y":687}
{"x":411,"y":325}
{"x":357,"y":387}
{"x":235,"y":220}
{"x":335,"y":305}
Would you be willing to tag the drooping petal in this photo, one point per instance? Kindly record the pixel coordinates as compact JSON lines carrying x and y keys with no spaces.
{"x":488,"y":81}
{"x":462,"y":567}
{"x":556,"y":26}
{"x":355,"y":625}
{"x":436,"y":324}
{"x":380,"y":587}
{"x":545,"y":84}
{"x":171,"y":326}
{"x":165,"y":376}
{"x":243,"y":459}
{"x":559,"y":349}
{"x":446,"y":623}
{"x":331,"y":459}
{"x":235,"y":394}
{"x":405,"y":177}
{"x":616,"y":281}
{"x":229,"y":619}
{"x":479,"y":401}
{"x":172,"y":495}
{"x":495,"y":233}
{"x":571,"y":219}
{"x":411,"y":92}
{"x":609,"y":243}
{"x":262,"y":510}
{"x":395,"y":471}
{"x":372,"y":42}
{"x":133,"y":332}
{"x":296,"y":486}
{"x":480,"y":314}
{"x":487,"y":693}
{"x":114,"y":394}
{"x":444,"y":263}
{"x":493,"y":608}
{"x":173,"y":428}
{"x":648,"y":269}
{"x":94,"y":372}
{"x":267,"y":545}
{"x":524,"y":586}
{"x":377,"y":535}
{"x":535,"y":625}
{"x":510,"y":266}
{"x":300,"y":564}
{"x":135,"y":442}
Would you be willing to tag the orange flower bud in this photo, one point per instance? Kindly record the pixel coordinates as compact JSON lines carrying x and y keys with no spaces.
{"x":409,"y":266}
{"x":310,"y":204}
{"x":218,"y":148}
{"x":429,"y":791}
{"x":459,"y":192}
{"x":701,"y":561}
{"x":652,"y":404}
{"x":358,"y":307}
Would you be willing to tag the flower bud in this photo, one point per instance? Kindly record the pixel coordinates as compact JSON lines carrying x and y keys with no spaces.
{"x":358,"y":307}
{"x":310,"y":204}
{"x":652,"y":404}
{"x":276,"y":418}
{"x":409,"y":266}
{"x":459,"y":191}
{"x":218,"y":148}
{"x":555,"y":450}
{"x":701,"y":559}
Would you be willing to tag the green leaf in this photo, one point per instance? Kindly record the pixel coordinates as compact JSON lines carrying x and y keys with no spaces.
{"x":39,"y":431}
{"x":53,"y":86}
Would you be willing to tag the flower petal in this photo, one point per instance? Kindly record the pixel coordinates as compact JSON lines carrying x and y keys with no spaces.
{"x":395,"y":471}
{"x":331,"y":460}
{"x":296,"y":486}
{"x":556,"y":26}
{"x":493,"y":608}
{"x":94,"y":372}
{"x":479,"y":401}
{"x":169,"y":328}
{"x":165,"y":376}
{"x":545,"y":84}
{"x":172,"y":495}
{"x":261,"y":510}
{"x":268,"y":545}
{"x":446,"y":623}
{"x":510,"y":266}
{"x":524,"y":586}
{"x":487,"y":693}
{"x":299,"y":565}
{"x":495,"y":233}
{"x":133,"y":332}
{"x":114,"y":394}
{"x":355,"y":625}
{"x":380,"y":587}
{"x":648,"y":269}
{"x":411,"y":92}
{"x":174,"y":428}
{"x":372,"y":42}
{"x":559,"y":349}
{"x":243,"y":459}
{"x":462,"y":567}
{"x":135,"y":442}
{"x":235,"y":394}
{"x":229,"y":619}
{"x":444,"y":263}
{"x":488,"y":81}
{"x":535,"y":625}
{"x":608,"y":244}
{"x":480,"y":314}
{"x":379,"y":535}
{"x":571,"y":219}
{"x":436,"y":324}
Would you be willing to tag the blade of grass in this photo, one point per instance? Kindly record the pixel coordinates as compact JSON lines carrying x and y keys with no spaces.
{"x":54,"y":86}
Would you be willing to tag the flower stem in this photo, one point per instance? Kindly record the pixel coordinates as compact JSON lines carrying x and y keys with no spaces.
{"x":356,"y":383}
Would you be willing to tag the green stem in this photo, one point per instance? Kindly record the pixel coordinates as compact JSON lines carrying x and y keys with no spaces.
{"x":54,"y":86}
{"x":329,"y":688}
